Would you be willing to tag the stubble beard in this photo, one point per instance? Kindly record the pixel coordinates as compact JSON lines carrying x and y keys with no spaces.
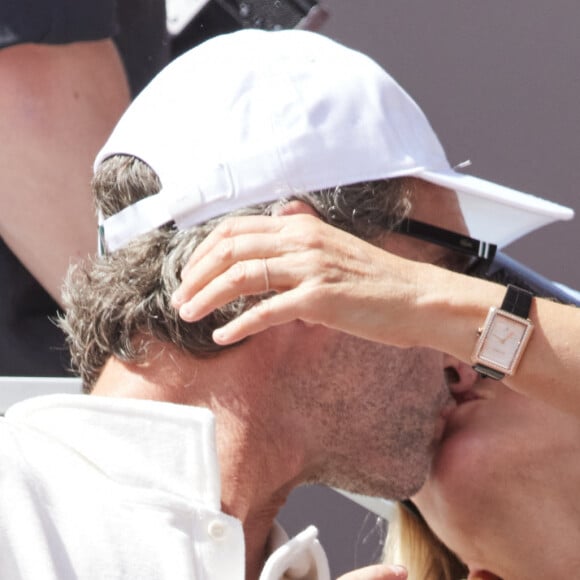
{"x":377,"y":445}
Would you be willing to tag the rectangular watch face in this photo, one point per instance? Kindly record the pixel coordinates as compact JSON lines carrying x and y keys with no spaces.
{"x":502,"y":340}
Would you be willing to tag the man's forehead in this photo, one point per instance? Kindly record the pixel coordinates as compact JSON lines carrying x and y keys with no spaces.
{"x":422,"y":251}
{"x":436,"y":205}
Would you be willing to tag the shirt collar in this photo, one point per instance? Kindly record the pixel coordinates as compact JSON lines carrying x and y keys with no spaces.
{"x":150,"y":444}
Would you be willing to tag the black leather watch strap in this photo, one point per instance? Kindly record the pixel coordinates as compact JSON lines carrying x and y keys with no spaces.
{"x":517,"y":301}
{"x":488,"y":372}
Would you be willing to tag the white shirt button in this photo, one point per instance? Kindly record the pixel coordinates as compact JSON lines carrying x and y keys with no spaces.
{"x":216,"y":529}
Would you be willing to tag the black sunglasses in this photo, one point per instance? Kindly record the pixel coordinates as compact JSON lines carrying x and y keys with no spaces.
{"x":485,"y":261}
{"x":476,"y":249}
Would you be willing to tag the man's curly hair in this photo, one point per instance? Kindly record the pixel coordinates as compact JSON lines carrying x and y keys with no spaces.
{"x":114,"y":303}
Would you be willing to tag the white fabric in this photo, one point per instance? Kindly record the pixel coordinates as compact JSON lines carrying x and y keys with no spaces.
{"x":253,"y":116}
{"x":119,"y":489}
{"x":301,"y":558}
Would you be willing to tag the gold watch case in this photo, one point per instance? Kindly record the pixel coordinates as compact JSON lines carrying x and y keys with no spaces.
{"x":502,"y":341}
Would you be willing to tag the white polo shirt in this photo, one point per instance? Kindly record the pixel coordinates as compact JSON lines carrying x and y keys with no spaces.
{"x":109,"y":489}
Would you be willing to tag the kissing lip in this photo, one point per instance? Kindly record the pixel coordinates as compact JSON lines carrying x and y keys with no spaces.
{"x":465,"y":398}
{"x":463,"y":393}
{"x":449,"y":407}
{"x":462,"y":397}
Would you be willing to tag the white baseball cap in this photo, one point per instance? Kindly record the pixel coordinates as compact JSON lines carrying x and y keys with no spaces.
{"x":254,"y":116}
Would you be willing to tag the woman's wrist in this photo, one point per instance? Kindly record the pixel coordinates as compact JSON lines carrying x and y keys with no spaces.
{"x":450,"y":309}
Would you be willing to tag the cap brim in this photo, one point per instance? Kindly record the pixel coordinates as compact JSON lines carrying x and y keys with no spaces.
{"x":495,"y":213}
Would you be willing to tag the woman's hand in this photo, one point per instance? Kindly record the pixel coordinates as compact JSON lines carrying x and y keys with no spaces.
{"x":313,"y":272}
{"x":309,"y":270}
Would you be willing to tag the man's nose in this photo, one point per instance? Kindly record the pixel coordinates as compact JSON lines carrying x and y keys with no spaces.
{"x":460,"y":376}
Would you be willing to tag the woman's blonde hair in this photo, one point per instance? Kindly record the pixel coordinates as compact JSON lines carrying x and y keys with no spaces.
{"x":411,"y":543}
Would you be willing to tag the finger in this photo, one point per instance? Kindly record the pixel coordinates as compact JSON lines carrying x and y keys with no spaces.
{"x":223,"y":255}
{"x":286,"y":240}
{"x":244,"y":278}
{"x":238,"y":226}
{"x":377,"y":572}
{"x":230,"y":228}
{"x":257,"y":319}
{"x":274,"y":311}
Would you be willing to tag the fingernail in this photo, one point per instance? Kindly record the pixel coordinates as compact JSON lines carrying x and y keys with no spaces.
{"x":176,"y":298}
{"x":185,"y":312}
{"x":399,"y":570}
{"x":218,"y":335}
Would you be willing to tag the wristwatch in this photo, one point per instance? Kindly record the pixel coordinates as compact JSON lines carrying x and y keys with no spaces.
{"x":504,"y":336}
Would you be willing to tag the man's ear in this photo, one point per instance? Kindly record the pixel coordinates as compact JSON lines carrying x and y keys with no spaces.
{"x":293,"y":207}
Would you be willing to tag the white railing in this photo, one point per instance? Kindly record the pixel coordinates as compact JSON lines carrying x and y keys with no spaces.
{"x":14,"y":389}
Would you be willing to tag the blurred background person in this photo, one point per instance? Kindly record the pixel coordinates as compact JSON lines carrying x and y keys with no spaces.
{"x":64,"y":85}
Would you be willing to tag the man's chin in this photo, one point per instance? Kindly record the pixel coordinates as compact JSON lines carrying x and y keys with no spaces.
{"x":402,"y":487}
